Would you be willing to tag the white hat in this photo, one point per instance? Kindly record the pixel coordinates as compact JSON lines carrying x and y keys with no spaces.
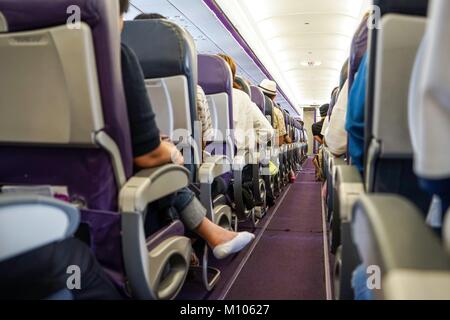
{"x":268,"y":86}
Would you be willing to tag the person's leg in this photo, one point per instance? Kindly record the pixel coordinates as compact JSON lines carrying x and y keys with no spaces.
{"x":43,"y":272}
{"x":95,"y":283}
{"x":193,"y":215}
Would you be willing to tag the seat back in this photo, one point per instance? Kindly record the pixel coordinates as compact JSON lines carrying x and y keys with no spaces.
{"x":214,"y":76}
{"x":31,"y":222}
{"x":168,"y":57}
{"x":244,"y":85}
{"x":406,"y":7}
{"x":389,"y":160}
{"x":258,"y":98}
{"x":269,"y":109}
{"x":63,"y":117}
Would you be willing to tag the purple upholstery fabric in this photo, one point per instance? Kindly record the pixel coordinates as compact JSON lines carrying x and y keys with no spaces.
{"x":105,"y":239}
{"x":215,"y":77}
{"x":258,"y":98}
{"x":87,"y":173}
{"x":173,"y":230}
{"x":358,"y":49}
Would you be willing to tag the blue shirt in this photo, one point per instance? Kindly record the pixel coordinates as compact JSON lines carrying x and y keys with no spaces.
{"x":355,"y":116}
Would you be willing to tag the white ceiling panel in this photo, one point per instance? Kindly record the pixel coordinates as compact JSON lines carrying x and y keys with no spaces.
{"x":303,"y":43}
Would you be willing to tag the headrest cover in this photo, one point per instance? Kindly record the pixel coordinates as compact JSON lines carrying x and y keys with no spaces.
{"x":214,"y":75}
{"x":25,"y":15}
{"x":164,"y":49}
{"x":3,"y":23}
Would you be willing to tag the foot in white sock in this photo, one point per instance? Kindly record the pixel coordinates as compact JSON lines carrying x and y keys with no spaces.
{"x":237,"y":244}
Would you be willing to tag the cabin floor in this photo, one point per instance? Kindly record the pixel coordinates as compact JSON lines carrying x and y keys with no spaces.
{"x":289,"y":258}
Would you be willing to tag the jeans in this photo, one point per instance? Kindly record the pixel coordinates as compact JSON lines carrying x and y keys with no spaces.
{"x":188,"y":209}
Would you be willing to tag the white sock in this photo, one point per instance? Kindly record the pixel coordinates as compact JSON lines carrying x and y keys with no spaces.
{"x":237,"y":244}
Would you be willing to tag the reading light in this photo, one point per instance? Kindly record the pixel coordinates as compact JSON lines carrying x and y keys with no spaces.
{"x":311,"y":64}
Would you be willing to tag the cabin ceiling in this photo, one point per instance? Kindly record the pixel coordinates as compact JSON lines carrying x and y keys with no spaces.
{"x":303,"y":43}
{"x":284,"y":34}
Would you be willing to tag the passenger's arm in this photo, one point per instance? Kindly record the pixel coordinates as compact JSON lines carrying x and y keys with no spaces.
{"x":164,"y":154}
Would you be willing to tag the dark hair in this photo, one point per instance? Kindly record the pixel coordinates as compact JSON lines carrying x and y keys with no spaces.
{"x":317,"y":129}
{"x":324,"y":110}
{"x":149,"y":16}
{"x":124,"y":6}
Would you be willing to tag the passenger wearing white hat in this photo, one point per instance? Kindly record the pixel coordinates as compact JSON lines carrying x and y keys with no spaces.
{"x":269,"y":88}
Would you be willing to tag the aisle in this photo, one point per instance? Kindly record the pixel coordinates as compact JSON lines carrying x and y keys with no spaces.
{"x":287,"y":262}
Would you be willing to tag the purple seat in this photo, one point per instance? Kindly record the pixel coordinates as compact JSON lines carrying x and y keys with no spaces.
{"x":70,"y":130}
{"x":258,"y":98}
{"x":215,"y":77}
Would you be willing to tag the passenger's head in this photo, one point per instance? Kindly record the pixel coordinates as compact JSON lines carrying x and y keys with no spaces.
{"x":124,"y":5}
{"x":324,"y":110}
{"x":269,"y":88}
{"x":229,"y":60}
{"x":149,"y":16}
{"x":317,"y":129}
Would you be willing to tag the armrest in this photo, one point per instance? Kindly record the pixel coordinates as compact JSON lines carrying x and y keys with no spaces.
{"x":417,"y":285}
{"x":213,"y":167}
{"x":30,"y":222}
{"x":390,"y":232}
{"x":349,"y":187}
{"x":150,"y":185}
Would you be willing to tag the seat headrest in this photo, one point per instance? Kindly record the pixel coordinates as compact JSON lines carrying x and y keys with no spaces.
{"x":415,"y":8}
{"x":244,"y":85}
{"x":268,"y":106}
{"x":164,"y":49}
{"x":26,"y":15}
{"x":214,"y":75}
{"x":258,"y":98}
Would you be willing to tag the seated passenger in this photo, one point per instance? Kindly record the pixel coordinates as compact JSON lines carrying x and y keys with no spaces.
{"x":203,"y":111}
{"x":336,"y":136}
{"x":150,"y":151}
{"x":269,"y":89}
{"x":334,"y":96}
{"x":250,"y":124}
